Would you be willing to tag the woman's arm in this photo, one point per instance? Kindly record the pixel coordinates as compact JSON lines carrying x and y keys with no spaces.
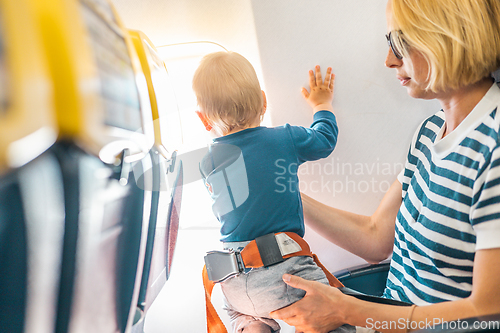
{"x":370,"y":237}
{"x":324,"y":308}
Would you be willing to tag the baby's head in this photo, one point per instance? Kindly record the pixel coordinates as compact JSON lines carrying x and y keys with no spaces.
{"x":228,"y":92}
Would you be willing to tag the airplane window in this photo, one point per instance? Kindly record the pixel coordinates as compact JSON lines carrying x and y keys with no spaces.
{"x":181,"y":61}
{"x":118,"y":87}
{"x":4,"y":84}
{"x":167,"y":103}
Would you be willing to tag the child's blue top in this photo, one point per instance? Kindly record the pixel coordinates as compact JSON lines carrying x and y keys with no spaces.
{"x":251,"y":176}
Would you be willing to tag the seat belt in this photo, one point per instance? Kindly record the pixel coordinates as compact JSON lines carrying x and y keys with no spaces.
{"x":264,"y":251}
{"x":214,"y":323}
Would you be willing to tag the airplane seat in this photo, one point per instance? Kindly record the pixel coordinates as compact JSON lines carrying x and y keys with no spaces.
{"x":13,"y":256}
{"x":103,"y":144}
{"x":31,"y":242}
{"x":102,"y":243}
{"x":166,"y":173}
{"x":371,"y":280}
{"x":31,"y":193}
{"x":155,"y":207}
{"x":162,"y":237}
{"x":131,"y":247}
{"x":368,"y":279}
{"x":172,"y":229}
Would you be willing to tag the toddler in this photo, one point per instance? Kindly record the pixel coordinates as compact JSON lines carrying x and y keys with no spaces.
{"x":251,"y":175}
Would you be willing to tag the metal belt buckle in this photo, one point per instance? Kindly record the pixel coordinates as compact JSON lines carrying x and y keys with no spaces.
{"x":223,"y":264}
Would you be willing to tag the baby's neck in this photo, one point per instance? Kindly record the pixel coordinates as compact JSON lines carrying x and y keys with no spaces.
{"x":239,"y":129}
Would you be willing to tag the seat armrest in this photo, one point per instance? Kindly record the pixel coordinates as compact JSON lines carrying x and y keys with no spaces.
{"x":368,"y":279}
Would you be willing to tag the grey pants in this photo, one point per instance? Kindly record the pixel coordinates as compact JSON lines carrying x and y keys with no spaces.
{"x":250,"y":297}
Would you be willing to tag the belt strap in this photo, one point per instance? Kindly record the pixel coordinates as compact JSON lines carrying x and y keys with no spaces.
{"x":214,"y":323}
{"x":253,"y":258}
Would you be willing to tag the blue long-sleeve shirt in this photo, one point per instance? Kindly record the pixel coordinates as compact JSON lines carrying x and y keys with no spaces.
{"x":251,"y":176}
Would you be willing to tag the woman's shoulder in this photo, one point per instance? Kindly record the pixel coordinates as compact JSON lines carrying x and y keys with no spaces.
{"x":430,"y":126}
{"x":436,"y":119}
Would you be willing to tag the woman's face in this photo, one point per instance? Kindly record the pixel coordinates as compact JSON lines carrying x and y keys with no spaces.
{"x":412,"y":71}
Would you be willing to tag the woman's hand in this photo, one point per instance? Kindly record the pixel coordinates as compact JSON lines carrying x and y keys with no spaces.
{"x":321,"y":95}
{"x":320,"y":311}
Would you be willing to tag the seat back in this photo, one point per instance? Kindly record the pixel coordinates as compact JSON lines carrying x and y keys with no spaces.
{"x":31,"y":196}
{"x":166,"y":173}
{"x":105,"y":134}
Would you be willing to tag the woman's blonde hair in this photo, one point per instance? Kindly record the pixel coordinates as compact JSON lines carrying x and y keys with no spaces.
{"x":460,"y":39}
{"x":228,"y":91}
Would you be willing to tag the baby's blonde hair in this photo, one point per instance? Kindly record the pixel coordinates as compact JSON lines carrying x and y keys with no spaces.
{"x":228,"y":91}
{"x":460,"y":39}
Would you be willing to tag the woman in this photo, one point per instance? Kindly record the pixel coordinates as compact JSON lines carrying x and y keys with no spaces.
{"x":441,"y":218}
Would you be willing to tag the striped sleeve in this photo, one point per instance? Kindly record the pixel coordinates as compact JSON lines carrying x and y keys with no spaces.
{"x":405,"y":175}
{"x":485,"y":212}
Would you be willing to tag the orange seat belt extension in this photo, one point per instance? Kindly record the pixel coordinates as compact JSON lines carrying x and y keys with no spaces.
{"x":255,"y":255}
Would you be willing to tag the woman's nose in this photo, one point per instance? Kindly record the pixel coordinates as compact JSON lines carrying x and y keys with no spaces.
{"x":391,"y":61}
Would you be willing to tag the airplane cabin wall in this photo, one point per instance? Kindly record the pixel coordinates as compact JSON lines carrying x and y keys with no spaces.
{"x":376,"y":117}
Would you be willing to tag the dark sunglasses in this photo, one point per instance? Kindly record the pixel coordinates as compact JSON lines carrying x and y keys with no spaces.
{"x":390,"y":41}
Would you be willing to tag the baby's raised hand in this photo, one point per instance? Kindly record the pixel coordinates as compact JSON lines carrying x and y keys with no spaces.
{"x":321,"y":95}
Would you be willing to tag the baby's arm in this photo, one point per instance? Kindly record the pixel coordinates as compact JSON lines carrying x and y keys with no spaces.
{"x":321,"y":95}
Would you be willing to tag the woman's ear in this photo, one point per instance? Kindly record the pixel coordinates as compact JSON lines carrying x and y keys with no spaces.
{"x":204,"y":120}
{"x":264,"y":106}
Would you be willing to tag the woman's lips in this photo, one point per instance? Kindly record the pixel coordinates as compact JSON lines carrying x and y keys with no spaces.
{"x":403,"y":80}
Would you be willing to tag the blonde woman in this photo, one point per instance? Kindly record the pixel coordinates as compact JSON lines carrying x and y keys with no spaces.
{"x":441,"y":218}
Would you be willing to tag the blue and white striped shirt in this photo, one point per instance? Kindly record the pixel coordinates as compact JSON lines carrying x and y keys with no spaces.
{"x":450,"y":206}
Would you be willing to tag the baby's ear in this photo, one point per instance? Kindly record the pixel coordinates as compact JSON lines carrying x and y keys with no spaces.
{"x":204,"y":120}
